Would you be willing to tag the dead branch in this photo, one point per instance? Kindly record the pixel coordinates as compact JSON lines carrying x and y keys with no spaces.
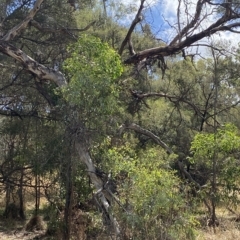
{"x":136,"y":20}
{"x":59,"y":30}
{"x":41,"y":71}
{"x":182,"y":32}
{"x":183,"y":39}
{"x":11,"y":34}
{"x":148,"y":133}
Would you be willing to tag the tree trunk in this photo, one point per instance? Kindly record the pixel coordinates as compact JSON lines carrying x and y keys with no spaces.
{"x":37,"y":194}
{"x":68,"y":203}
{"x":8,"y":198}
{"x":21,"y":199}
{"x":97,"y":182}
{"x":45,"y":73}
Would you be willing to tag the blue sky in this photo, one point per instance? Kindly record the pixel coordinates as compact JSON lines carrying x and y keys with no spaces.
{"x":157,"y":14}
{"x":161,"y":15}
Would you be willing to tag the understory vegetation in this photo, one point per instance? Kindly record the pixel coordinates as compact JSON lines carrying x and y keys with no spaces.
{"x":111,"y":130}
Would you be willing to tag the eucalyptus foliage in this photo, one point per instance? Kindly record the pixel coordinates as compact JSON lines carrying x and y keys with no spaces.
{"x":93,"y":68}
{"x":223,"y":146}
{"x":151,"y":204}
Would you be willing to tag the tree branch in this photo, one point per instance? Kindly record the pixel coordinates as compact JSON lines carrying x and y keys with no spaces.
{"x":41,"y":71}
{"x":145,"y":132}
{"x":98,"y":184}
{"x":21,"y":26}
{"x":174,"y":47}
{"x":59,"y":30}
{"x":170,"y":97}
{"x":158,"y":141}
{"x":136,"y":20}
{"x":191,"y":24}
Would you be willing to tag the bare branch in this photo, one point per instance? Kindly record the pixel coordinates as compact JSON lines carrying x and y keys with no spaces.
{"x":158,"y":141}
{"x":59,"y":30}
{"x":145,"y":132}
{"x":41,"y":71}
{"x":178,"y":17}
{"x":170,"y":97}
{"x":175,"y":47}
{"x":222,"y":51}
{"x":21,"y":26}
{"x":191,"y":24}
{"x":136,"y":20}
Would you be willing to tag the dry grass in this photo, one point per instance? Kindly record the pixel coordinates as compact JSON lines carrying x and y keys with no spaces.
{"x":229,"y":229}
{"x":15,"y":229}
{"x":232,"y":233}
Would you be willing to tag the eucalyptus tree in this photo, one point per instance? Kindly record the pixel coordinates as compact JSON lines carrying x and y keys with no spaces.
{"x":45,"y":17}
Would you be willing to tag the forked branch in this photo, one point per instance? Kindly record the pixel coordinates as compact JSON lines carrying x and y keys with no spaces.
{"x":136,"y":20}
{"x":229,"y":21}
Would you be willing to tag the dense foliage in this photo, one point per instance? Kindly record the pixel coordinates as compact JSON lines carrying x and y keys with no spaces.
{"x":130,"y":145}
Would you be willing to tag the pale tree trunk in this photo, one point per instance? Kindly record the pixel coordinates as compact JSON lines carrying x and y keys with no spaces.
{"x":45,"y":73}
{"x":97,"y":182}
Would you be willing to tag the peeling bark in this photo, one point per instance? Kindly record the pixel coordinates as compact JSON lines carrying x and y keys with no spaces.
{"x":97,"y":182}
{"x":41,"y":71}
{"x":21,"y":26}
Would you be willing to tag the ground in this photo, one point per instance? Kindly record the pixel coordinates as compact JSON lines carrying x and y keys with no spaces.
{"x":229,"y":227}
{"x":228,"y":230}
{"x":13,"y":230}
